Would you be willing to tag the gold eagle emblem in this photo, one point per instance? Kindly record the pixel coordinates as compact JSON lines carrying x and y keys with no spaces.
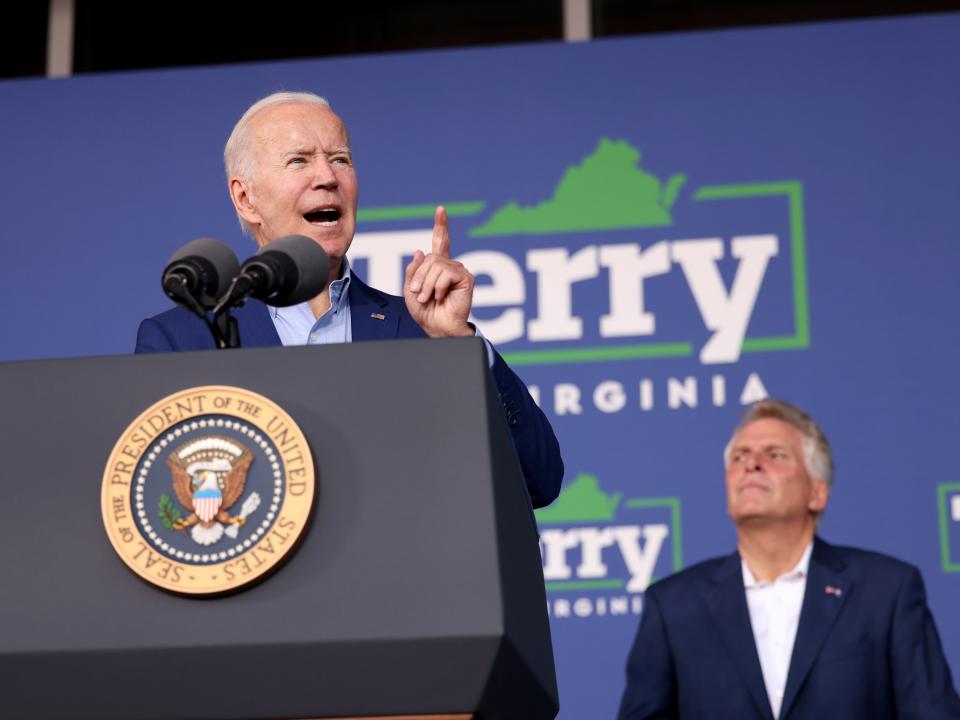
{"x":209,"y":475}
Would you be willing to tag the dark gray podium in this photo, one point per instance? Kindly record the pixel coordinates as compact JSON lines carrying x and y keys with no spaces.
{"x":416,"y":590}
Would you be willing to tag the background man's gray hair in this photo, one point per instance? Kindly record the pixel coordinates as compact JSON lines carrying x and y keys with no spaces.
{"x":238,"y":158}
{"x":816,"y":447}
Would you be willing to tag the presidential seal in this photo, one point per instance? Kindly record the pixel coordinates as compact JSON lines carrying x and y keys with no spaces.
{"x":208,"y":490}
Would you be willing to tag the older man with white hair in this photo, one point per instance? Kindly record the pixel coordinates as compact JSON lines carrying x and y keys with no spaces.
{"x":788,"y":626}
{"x":290,"y":171}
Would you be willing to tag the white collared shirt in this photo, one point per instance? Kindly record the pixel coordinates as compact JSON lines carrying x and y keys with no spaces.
{"x":774,"y":615}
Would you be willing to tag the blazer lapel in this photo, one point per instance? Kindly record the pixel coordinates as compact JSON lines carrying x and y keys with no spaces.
{"x":727,"y":602}
{"x":828,"y":586}
{"x":371,"y":315}
{"x":256,"y":326}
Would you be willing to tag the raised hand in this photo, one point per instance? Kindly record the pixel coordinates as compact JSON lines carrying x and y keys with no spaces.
{"x":439,"y":291}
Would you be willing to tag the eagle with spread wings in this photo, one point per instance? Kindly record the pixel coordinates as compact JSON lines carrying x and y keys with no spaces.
{"x":208,"y":479}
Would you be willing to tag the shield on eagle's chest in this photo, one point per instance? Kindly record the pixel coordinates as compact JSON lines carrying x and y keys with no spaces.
{"x":206,"y":504}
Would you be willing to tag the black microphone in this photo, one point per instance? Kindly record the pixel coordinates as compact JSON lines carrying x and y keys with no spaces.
{"x":284,"y":272}
{"x":199,"y":273}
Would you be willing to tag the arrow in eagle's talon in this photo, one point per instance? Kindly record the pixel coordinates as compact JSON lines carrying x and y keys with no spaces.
{"x":249,"y":505}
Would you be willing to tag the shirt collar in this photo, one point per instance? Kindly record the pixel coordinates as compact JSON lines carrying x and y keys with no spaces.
{"x":339,"y":287}
{"x":338,"y":295}
{"x":799,"y":570}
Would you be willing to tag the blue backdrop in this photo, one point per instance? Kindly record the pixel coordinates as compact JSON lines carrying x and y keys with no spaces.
{"x":664,"y":229}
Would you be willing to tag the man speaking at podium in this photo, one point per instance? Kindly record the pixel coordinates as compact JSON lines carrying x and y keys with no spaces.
{"x":290,"y":172}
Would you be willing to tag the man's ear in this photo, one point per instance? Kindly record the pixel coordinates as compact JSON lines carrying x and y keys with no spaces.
{"x":819,"y":495}
{"x":243,"y":202}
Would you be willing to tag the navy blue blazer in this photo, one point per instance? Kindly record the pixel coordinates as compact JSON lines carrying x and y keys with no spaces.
{"x":537,"y":447}
{"x":866,"y":649}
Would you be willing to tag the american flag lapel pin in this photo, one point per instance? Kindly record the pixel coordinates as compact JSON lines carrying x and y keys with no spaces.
{"x":831,"y":590}
{"x":378,"y":316}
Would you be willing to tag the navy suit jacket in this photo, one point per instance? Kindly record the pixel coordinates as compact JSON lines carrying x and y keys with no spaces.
{"x":867,"y":649}
{"x":377,"y":316}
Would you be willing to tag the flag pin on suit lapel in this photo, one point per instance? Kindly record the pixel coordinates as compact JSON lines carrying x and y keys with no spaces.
{"x":378,"y":316}
{"x":831,"y":590}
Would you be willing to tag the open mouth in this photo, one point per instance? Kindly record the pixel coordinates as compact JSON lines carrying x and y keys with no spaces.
{"x":325,"y":217}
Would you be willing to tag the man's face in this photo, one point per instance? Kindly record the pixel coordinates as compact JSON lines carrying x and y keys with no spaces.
{"x":303,"y":180}
{"x":767,"y":479}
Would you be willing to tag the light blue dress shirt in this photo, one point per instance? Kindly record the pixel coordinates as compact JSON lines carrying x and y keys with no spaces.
{"x":296,"y":325}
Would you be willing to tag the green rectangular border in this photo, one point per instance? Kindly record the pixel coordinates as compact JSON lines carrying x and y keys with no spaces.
{"x":791,"y":189}
{"x":949,"y":565}
{"x":674,"y":504}
{"x":671,"y":502}
{"x":412,"y":212}
{"x":599,"y":354}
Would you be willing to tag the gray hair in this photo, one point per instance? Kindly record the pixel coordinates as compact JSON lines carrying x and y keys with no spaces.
{"x":816,"y":448}
{"x":238,"y":158}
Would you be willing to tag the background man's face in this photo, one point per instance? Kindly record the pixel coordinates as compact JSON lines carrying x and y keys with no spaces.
{"x":767,"y":479}
{"x":304,"y":181}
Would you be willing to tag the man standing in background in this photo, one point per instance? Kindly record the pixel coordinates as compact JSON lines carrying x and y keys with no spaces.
{"x":788,"y":626}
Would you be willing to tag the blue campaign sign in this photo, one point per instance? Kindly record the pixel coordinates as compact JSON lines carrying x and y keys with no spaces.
{"x":664,"y":229}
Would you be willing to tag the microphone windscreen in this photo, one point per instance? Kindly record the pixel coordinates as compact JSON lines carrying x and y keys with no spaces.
{"x":212,"y":261}
{"x":304,"y":267}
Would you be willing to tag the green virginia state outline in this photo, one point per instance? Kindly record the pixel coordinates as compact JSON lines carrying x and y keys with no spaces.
{"x":581,"y":501}
{"x":606,"y":191}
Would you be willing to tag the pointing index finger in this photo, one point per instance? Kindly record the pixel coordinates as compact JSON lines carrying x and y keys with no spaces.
{"x":441,"y":232}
